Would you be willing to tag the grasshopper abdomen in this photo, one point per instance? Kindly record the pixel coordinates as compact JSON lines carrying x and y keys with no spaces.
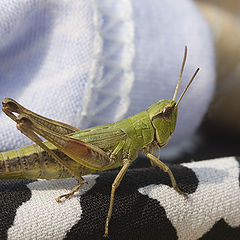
{"x":32,"y":162}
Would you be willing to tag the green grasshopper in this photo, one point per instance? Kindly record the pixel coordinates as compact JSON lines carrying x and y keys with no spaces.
{"x":73,"y":152}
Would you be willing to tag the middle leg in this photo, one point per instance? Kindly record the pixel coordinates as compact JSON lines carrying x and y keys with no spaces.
{"x":165,"y":168}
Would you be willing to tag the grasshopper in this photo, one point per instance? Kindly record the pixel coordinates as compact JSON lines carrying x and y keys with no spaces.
{"x":69,"y":151}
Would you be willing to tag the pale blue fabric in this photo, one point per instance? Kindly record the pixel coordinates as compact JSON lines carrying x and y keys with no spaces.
{"x":93,"y":62}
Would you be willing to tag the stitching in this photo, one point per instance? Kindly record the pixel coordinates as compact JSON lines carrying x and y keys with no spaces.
{"x":96,"y":67}
{"x":112,"y":66}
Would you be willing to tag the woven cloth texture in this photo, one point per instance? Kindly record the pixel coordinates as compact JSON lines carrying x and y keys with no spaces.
{"x":146,"y":206}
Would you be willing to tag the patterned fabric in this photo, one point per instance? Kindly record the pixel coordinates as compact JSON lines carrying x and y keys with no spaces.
{"x":146,"y":206}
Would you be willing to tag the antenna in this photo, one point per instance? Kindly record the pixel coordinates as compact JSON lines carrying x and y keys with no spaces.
{"x":194,"y":75}
{"x":180,"y":76}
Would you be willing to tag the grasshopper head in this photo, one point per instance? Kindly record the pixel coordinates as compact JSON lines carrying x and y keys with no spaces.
{"x":163,"y":114}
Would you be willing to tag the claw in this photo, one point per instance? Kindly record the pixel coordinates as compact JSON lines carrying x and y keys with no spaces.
{"x":185,"y":196}
{"x":69,"y":195}
{"x":106,"y":233}
{"x":66,"y":196}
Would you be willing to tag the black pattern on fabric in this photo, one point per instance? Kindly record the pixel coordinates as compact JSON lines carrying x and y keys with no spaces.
{"x":222,"y":231}
{"x":146,"y":206}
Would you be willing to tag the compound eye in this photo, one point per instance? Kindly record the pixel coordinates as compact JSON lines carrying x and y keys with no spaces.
{"x":167,"y":113}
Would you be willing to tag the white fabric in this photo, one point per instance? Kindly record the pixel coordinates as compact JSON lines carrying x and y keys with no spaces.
{"x":94,"y":62}
{"x":44,"y":215}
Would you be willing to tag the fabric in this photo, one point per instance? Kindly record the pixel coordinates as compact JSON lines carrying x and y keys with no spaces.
{"x":93,"y":62}
{"x":146,"y":206}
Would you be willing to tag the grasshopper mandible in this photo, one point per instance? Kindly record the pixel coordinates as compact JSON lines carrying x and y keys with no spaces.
{"x":69,"y":151}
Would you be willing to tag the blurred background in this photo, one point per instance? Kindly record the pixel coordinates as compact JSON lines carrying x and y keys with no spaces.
{"x":220,"y":129}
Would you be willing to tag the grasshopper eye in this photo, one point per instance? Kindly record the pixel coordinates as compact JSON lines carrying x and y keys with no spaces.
{"x":167,"y":113}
